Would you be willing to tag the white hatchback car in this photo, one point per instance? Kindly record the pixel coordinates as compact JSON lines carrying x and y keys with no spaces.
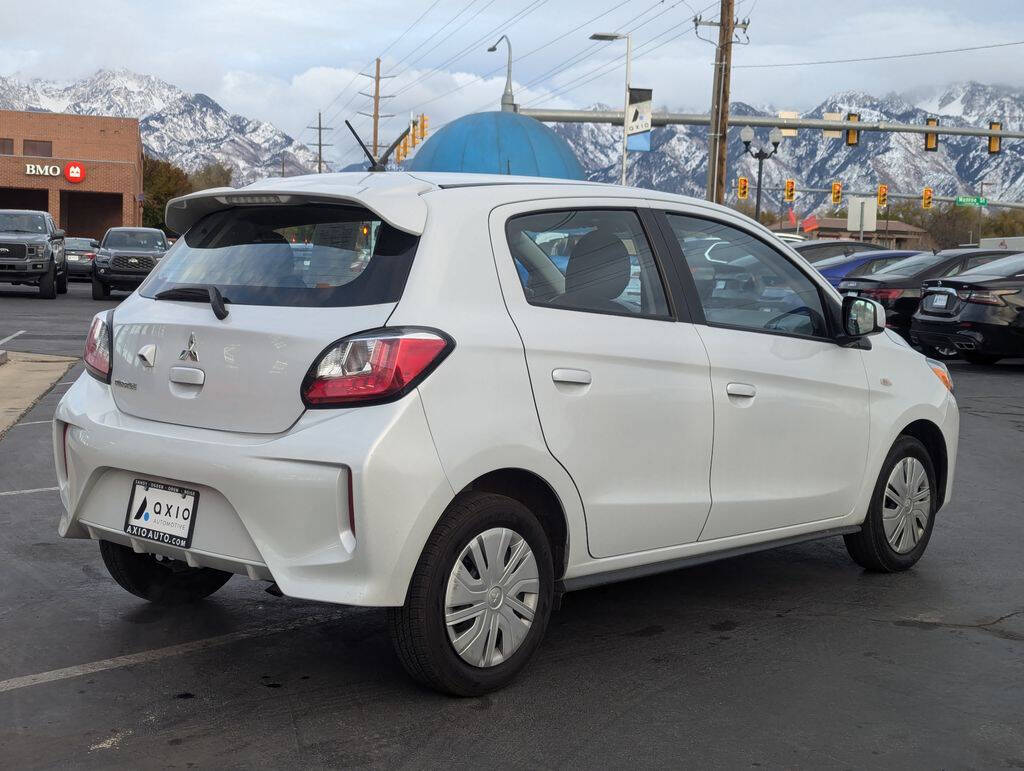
{"x":459,"y":396}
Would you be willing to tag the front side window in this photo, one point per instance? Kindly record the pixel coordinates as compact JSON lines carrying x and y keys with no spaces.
{"x":743,"y":282}
{"x":311,"y":255}
{"x":587,"y":260}
{"x":37,"y":147}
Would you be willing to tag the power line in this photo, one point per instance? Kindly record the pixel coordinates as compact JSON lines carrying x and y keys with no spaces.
{"x":879,"y":58}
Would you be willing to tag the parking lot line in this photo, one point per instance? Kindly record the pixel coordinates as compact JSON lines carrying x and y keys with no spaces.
{"x":11,"y":337}
{"x":145,"y":657}
{"x":33,"y":490}
{"x":31,"y":423}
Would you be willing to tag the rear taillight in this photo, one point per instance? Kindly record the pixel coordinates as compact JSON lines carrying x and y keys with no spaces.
{"x":883,"y":295}
{"x":985,"y":297}
{"x":374,"y":367}
{"x":89,"y":255}
{"x":98,"y":346}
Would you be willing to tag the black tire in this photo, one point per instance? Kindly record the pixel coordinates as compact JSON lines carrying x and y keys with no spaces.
{"x":418,"y":630}
{"x":48,"y":284}
{"x":870,"y":548}
{"x":100,"y":291}
{"x":163,"y":582}
{"x":943,"y":355}
{"x":980,"y":358}
{"x":62,"y":282}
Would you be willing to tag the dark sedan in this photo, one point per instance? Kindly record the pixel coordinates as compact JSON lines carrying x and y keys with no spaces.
{"x":980,"y":313}
{"x":898,"y":286}
{"x":80,"y":253}
{"x":822,"y":248}
{"x":125,"y":258}
{"x":835,"y":269}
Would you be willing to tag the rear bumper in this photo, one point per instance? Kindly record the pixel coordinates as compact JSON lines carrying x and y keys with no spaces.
{"x":80,"y":269}
{"x":272,"y":507}
{"x":981,"y":338}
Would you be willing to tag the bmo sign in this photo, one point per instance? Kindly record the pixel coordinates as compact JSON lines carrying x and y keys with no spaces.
{"x":73,"y":171}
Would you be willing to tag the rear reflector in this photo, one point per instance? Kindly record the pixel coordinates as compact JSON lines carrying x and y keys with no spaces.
{"x":374,"y":367}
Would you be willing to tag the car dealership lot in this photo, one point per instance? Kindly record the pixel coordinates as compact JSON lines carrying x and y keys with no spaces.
{"x":786,"y":657}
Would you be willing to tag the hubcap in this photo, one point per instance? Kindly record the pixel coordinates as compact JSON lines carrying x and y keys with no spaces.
{"x":492,"y":597}
{"x":907,"y":505}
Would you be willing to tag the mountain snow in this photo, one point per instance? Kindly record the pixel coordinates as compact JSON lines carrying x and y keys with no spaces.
{"x":190,"y":130}
{"x":678,"y":159}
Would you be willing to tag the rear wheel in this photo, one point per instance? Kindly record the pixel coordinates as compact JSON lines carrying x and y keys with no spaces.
{"x":100,"y":291}
{"x":980,"y":358}
{"x":48,"y":284}
{"x":899,"y":523}
{"x":161,"y":581}
{"x":479,"y":601}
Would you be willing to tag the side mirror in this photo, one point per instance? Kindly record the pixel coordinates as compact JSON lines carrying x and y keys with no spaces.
{"x":58,"y":234}
{"x":862,"y":317}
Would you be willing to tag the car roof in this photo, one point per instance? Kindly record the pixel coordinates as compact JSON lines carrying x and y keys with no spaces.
{"x":129,"y":227}
{"x":394,"y":196}
{"x":22,"y":211}
{"x":821,"y":241}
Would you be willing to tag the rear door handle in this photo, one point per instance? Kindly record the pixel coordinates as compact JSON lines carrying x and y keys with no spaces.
{"x":576,"y":376}
{"x":744,"y":390}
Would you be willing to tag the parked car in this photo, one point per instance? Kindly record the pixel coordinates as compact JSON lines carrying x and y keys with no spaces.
{"x":980,"y":312}
{"x":835,"y":269}
{"x":898,"y":286}
{"x":439,"y":436}
{"x":80,"y":253}
{"x":819,"y":249}
{"x":125,"y":258}
{"x":32,"y":252}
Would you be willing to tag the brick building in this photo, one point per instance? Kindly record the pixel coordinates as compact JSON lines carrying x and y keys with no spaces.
{"x":85,"y":170}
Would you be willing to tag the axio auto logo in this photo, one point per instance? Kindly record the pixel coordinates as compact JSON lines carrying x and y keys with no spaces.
{"x":41,"y":170}
{"x":74,"y":172}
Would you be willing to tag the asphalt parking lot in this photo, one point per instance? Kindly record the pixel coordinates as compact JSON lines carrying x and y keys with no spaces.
{"x":793,"y":657}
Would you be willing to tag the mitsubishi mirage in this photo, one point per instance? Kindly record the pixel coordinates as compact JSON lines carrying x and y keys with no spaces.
{"x":466,"y":395}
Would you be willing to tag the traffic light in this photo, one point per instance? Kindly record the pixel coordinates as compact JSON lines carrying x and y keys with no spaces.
{"x":852,"y":135}
{"x":742,"y":188}
{"x":883,"y":196}
{"x":931,"y":141}
{"x":926,"y":198}
{"x":423,"y":126}
{"x":414,"y":131}
{"x":994,"y":142}
{"x":790,"y":191}
{"x":837,"y":193}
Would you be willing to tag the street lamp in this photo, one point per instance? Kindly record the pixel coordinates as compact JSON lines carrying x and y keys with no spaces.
{"x":508,"y":102}
{"x":608,"y":36}
{"x":747,"y":136}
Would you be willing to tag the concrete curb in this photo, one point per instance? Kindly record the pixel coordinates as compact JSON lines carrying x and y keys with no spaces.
{"x":3,"y":357}
{"x":24,"y":380}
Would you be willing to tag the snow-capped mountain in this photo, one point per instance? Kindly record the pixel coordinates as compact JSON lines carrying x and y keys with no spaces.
{"x":678,"y":159}
{"x":190,"y":130}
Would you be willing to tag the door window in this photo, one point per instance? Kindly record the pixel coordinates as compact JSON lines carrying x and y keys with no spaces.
{"x":587,"y":260}
{"x":742,"y":282}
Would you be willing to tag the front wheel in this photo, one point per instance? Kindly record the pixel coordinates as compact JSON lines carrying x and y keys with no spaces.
{"x":100,"y":291}
{"x":899,"y":523}
{"x":62,"y":282}
{"x":479,"y":600}
{"x":48,"y":284}
{"x":980,"y":358}
{"x":161,"y":581}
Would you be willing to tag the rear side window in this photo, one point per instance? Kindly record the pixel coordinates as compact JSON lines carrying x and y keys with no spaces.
{"x":587,"y":260}
{"x":872,"y":266}
{"x":308,"y":255}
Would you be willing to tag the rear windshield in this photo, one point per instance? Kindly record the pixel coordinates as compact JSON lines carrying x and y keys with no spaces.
{"x":148,"y":240}
{"x":310,"y":255}
{"x":1005,"y":266}
{"x":912,"y":265}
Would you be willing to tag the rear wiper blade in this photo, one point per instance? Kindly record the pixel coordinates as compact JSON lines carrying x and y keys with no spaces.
{"x":198,"y":293}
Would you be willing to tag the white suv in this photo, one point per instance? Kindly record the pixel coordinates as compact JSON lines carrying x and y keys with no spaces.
{"x":459,"y":396}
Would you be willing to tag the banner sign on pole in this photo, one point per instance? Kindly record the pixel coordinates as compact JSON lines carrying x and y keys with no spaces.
{"x":638,"y":120}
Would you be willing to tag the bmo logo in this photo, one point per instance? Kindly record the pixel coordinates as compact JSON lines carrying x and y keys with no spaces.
{"x":73,"y":171}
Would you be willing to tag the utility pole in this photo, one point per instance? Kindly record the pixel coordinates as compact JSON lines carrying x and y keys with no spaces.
{"x":319,"y":128}
{"x":376,"y":96}
{"x":717,"y":145}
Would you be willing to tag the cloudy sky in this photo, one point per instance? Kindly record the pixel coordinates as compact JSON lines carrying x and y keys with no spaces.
{"x":283,"y":60}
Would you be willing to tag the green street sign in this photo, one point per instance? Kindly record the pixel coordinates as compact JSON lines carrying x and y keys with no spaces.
{"x":971,"y":200}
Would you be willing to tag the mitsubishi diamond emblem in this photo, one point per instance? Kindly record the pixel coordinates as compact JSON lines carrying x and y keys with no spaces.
{"x":189,"y":354}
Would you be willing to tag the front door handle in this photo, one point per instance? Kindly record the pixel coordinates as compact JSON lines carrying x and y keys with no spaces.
{"x":575,"y":376}
{"x":744,"y":390}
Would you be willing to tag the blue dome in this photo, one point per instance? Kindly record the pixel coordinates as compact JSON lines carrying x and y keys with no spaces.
{"x":498,"y":143}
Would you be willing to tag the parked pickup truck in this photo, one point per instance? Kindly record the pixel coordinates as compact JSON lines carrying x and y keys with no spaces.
{"x":32,"y":252}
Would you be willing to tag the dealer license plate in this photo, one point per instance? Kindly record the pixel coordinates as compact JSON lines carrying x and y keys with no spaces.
{"x":939,"y":300}
{"x":164,"y":513}
{"x":72,"y":258}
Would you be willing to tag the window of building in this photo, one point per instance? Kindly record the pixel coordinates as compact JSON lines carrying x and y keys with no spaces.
{"x":6,"y":147}
{"x":38,"y":148}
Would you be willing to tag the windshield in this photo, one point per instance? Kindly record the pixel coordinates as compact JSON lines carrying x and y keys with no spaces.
{"x":312,"y":255}
{"x":22,"y":222}
{"x":77,"y":243}
{"x":912,"y":265}
{"x":1005,"y":266}
{"x":146,"y":240}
